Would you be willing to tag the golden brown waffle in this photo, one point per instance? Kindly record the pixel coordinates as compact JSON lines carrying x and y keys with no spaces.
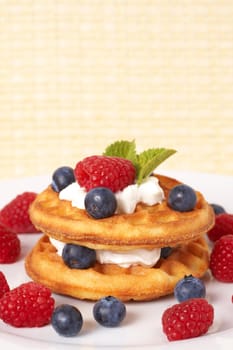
{"x":148,"y":227}
{"x":44,"y":265}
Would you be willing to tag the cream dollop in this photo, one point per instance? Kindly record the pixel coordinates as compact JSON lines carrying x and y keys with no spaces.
{"x":149,"y":192}
{"x":143,"y":257}
{"x":125,"y":259}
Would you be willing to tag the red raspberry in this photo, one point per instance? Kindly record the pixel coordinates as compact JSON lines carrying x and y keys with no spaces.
{"x":29,"y":305}
{"x":223,"y":226}
{"x":15,"y":216}
{"x":188,"y":319}
{"x":4,"y":286}
{"x":221,"y":259}
{"x":114,"y":173}
{"x":9,"y":246}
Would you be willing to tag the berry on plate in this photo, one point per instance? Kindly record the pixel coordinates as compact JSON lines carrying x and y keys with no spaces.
{"x":100,"y":202}
{"x":4,"y":286}
{"x":67,"y":320}
{"x":114,"y":173}
{"x":218,"y":209}
{"x":62,"y":177}
{"x":10,"y":246}
{"x":221,"y":259}
{"x":29,"y":305}
{"x":15,"y":216}
{"x":223,"y":226}
{"x":182,"y":198}
{"x":188,"y":319}
{"x":189,"y":287}
{"x":109,"y":311}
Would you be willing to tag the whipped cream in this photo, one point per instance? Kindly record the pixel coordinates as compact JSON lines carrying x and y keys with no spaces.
{"x":75,"y":194}
{"x":125,"y":259}
{"x":143,"y":257}
{"x":149,"y":192}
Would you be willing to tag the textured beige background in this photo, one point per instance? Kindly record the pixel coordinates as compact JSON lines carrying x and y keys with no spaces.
{"x":76,"y":75}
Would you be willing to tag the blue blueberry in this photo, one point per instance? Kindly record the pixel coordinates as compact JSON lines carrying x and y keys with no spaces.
{"x":218,"y":209}
{"x":109,"y":311}
{"x":78,"y":257}
{"x":62,"y":177}
{"x":182,"y":198}
{"x":100,"y":202}
{"x":165,"y":252}
{"x":67,"y":320}
{"x":189,"y":287}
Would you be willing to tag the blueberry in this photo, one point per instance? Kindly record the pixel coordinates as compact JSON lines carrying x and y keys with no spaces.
{"x":67,"y":320}
{"x":182,"y":198}
{"x":218,"y":209}
{"x":100,"y":202}
{"x":109,"y":311}
{"x":62,"y":177}
{"x":165,"y":252}
{"x":189,"y":287}
{"x":78,"y":257}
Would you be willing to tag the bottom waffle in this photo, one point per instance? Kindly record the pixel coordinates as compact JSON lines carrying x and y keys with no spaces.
{"x":45,"y":266}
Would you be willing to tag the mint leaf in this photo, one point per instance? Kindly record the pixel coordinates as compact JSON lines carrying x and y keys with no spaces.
{"x":144,"y":162}
{"x":149,"y":160}
{"x":122,"y":149}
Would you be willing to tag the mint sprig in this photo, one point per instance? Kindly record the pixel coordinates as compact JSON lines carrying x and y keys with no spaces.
{"x":144,"y":162}
{"x":150,"y":159}
{"x":123,"y":149}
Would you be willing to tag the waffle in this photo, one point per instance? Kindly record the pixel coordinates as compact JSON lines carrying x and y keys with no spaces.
{"x":138,"y":283}
{"x":148,"y":227}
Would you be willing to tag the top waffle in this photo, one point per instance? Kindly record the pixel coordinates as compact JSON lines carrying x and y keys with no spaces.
{"x":148,"y":227}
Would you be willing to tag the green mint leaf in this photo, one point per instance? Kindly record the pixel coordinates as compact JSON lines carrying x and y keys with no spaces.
{"x":149,"y":160}
{"x":122,"y":149}
{"x":144,"y":163}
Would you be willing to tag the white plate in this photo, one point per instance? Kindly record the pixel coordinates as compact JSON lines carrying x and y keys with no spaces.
{"x":142,"y":327}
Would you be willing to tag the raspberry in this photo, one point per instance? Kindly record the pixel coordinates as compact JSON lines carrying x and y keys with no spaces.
{"x":223,"y":226}
{"x":114,"y":173}
{"x":188,"y":319}
{"x":15,"y":216}
{"x":10,"y":246}
{"x":29,"y":305}
{"x":221,"y":259}
{"x":4,"y":287}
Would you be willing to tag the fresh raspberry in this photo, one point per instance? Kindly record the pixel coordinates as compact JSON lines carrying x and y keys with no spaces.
{"x":29,"y":305}
{"x":4,"y":286}
{"x":10,"y":246}
{"x":188,"y":319}
{"x":15,"y":216}
{"x":221,"y":259}
{"x":114,"y":173}
{"x":223,"y":226}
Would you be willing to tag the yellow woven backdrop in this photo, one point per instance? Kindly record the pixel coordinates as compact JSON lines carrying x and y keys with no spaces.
{"x":76,"y":75}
